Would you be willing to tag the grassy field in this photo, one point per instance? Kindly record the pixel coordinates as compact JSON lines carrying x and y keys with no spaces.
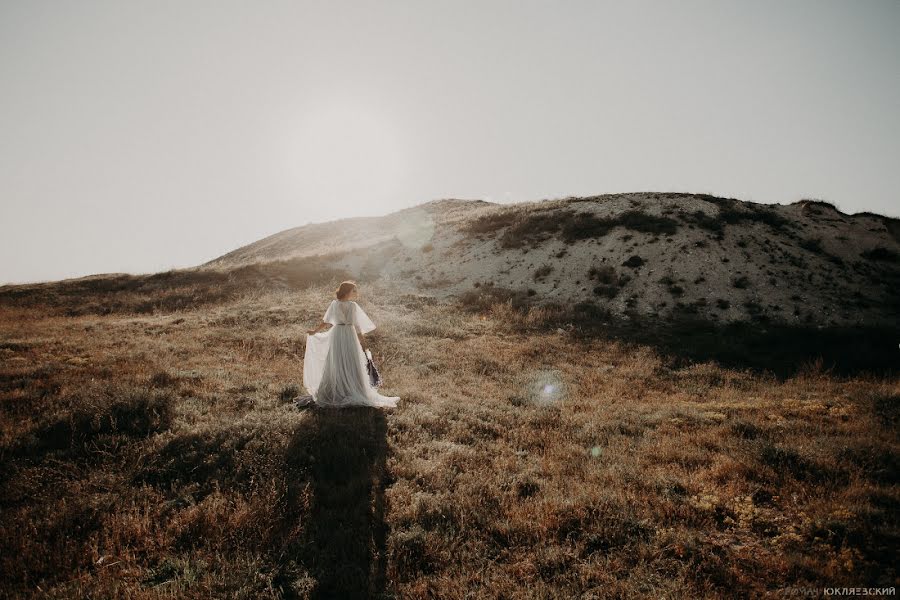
{"x":152,"y":450}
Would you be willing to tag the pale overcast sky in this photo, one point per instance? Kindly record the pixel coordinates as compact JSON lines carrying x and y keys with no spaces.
{"x":142,"y":136}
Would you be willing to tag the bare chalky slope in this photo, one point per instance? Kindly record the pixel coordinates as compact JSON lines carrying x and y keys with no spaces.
{"x":662,"y":254}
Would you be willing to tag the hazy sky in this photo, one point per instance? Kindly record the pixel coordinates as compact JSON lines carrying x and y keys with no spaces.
{"x":142,"y":136}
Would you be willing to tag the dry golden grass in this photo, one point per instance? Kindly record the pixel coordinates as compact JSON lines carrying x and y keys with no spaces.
{"x":158,"y":454}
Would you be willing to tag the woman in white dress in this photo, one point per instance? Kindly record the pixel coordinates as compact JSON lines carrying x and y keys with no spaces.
{"x":334,"y":366}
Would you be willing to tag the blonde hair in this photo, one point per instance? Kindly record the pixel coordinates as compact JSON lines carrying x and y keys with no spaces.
{"x":344,"y":289}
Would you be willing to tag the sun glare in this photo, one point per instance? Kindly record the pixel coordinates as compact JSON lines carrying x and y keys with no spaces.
{"x":349,"y":155}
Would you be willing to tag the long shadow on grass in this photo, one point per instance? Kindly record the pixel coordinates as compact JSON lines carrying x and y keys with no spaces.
{"x":343,"y":547}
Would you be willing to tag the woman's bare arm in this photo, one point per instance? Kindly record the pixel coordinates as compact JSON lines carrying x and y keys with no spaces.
{"x":319,"y":328}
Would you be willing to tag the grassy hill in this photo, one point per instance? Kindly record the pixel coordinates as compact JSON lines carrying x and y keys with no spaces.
{"x":149,"y":447}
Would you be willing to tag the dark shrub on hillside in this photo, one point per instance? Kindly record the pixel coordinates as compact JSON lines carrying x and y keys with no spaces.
{"x":603,"y":274}
{"x":535,"y":227}
{"x":490,"y":223}
{"x":542,"y":272}
{"x":669,"y":281}
{"x":701,"y":219}
{"x":588,"y":225}
{"x":571,"y":226}
{"x":740,"y":282}
{"x":768,"y":216}
{"x":720,"y":200}
{"x":814,"y":207}
{"x":731,"y":213}
{"x":812,"y":244}
{"x":606,"y":291}
{"x":634,"y":262}
{"x":640,"y":221}
{"x":584,"y":226}
{"x":880,"y":253}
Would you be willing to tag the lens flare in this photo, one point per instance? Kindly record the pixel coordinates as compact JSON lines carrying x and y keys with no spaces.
{"x":417,"y":228}
{"x":546,"y":387}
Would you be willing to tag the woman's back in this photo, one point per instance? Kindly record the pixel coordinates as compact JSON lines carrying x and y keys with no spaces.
{"x":334,"y":370}
{"x":343,"y":312}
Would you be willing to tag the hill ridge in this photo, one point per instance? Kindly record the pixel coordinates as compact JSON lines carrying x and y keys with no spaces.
{"x":642,"y":253}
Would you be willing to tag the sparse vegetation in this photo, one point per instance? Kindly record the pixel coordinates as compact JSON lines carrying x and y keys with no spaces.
{"x":668,"y":280}
{"x":701,"y":219}
{"x":815,"y":206}
{"x":730,"y":214}
{"x":538,"y":225}
{"x":437,"y":282}
{"x":486,"y":296}
{"x":490,"y":223}
{"x":640,"y":221}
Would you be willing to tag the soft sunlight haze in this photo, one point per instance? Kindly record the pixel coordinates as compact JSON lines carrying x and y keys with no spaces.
{"x":142,"y":136}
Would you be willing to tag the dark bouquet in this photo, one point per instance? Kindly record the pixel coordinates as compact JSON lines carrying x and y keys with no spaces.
{"x":374,"y":375}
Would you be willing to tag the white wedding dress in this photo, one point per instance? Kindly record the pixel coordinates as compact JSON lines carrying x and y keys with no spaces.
{"x":334,"y":366}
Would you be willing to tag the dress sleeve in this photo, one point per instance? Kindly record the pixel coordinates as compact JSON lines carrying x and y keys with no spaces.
{"x":362,"y":321}
{"x":331,"y":314}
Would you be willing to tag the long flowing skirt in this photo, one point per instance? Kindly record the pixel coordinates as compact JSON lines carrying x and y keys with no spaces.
{"x":334,"y":371}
